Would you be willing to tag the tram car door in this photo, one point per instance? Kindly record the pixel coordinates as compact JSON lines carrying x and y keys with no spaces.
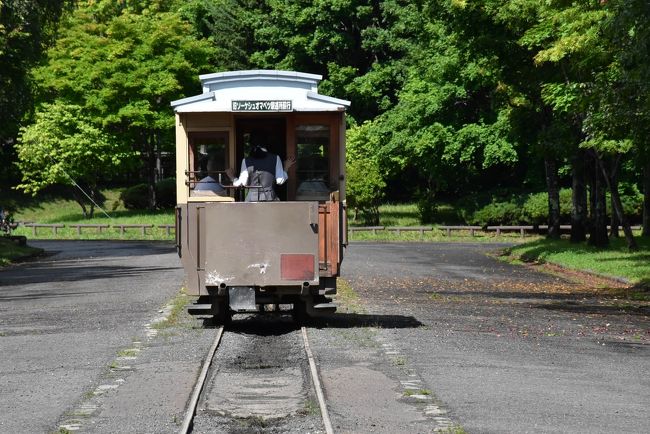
{"x":241,"y":253}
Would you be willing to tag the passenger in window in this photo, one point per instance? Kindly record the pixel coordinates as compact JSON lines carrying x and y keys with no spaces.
{"x":261,"y":169}
{"x":208,"y":186}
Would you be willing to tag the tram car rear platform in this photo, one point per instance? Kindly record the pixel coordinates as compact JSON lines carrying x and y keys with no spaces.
{"x":238,"y":255}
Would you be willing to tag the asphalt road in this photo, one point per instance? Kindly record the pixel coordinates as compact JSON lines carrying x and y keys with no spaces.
{"x":64,"y":317}
{"x":446,"y":336}
{"x":503,"y":348}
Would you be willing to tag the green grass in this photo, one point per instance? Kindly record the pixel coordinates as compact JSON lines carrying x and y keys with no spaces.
{"x":347,"y":297}
{"x":438,"y":235}
{"x":615,"y":261}
{"x":58,"y":210}
{"x":10,"y":251}
{"x":178,"y":304}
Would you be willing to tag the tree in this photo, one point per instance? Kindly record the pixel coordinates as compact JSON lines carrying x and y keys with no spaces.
{"x":123,"y":65}
{"x":453,"y":120}
{"x":357,"y":45}
{"x":364,"y":181}
{"x":569,"y":35}
{"x":63,"y":146}
{"x":628,"y":31}
{"x":26,"y":28}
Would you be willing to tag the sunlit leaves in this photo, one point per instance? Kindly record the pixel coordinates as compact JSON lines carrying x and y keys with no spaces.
{"x":63,"y":144}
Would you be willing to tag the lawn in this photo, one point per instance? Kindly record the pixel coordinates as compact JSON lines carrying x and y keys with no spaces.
{"x":10,"y":251}
{"x":615,"y":261}
{"x":68,"y":212}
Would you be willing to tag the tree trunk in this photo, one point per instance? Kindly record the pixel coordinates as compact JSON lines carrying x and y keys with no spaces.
{"x":578,"y":198}
{"x":151,"y":169}
{"x":552,"y":184}
{"x":81,"y":200}
{"x":616,"y":199}
{"x":646,"y":199}
{"x":597,"y":200}
{"x":613,"y":185}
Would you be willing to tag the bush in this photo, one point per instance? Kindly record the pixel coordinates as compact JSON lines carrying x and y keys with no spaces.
{"x":429,"y":212}
{"x":166,"y":193}
{"x":632,"y":200}
{"x":498,"y":213}
{"x":535,"y":208}
{"x":136,"y":197}
{"x":426,"y":210}
{"x":364,"y":189}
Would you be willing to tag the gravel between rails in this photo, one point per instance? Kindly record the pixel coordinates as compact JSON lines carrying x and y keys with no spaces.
{"x":260,"y":381}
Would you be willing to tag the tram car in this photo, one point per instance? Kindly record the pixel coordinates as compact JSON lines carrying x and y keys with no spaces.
{"x":243,"y":246}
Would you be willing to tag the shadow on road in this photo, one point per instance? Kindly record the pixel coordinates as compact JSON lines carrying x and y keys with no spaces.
{"x":274,"y":324}
{"x":597,"y":309}
{"x":72,"y":271}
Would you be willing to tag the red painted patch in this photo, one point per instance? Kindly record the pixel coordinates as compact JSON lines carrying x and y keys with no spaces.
{"x":297,"y":267}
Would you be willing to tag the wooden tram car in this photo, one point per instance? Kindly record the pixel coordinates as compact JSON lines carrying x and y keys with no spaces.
{"x":239,"y":256}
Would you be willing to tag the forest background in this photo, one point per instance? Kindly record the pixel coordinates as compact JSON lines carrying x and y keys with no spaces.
{"x":482,"y":112}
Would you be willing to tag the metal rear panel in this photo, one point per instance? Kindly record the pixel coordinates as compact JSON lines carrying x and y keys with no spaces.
{"x":245,"y":243}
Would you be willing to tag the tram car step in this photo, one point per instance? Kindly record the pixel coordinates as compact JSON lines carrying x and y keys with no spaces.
{"x":199,"y":309}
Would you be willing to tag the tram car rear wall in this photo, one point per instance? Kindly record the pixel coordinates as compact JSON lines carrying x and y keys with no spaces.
{"x":240,"y":255}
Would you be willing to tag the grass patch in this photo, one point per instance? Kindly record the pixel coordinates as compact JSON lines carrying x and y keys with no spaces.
{"x":411,"y":392}
{"x":438,"y":235}
{"x":311,"y":408}
{"x":347,"y":297}
{"x":177,"y":305}
{"x":615,"y":261}
{"x":129,"y":352}
{"x":49,"y":209}
{"x":10,"y":251}
{"x":456,"y":429}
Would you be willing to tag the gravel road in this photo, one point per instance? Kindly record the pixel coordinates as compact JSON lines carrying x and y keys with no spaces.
{"x":442,"y":336}
{"x":64,"y":317}
{"x":503,"y":348}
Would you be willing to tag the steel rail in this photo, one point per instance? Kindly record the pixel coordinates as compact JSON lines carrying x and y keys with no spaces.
{"x":191,"y":409}
{"x":317,"y":385}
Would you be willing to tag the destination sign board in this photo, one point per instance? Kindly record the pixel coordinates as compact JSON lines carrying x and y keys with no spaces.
{"x":262,"y":106}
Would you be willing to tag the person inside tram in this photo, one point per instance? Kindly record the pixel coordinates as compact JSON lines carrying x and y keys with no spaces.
{"x":208,"y":186}
{"x":261,"y":169}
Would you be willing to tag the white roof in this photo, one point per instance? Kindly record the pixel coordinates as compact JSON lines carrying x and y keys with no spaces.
{"x":259,"y":91}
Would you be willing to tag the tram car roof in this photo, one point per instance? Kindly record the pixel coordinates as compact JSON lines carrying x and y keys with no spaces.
{"x":259,"y":91}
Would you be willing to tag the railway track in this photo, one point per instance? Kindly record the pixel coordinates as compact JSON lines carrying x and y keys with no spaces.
{"x":257,"y":375}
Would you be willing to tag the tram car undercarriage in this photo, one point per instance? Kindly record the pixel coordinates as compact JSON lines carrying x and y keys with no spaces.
{"x":240,"y":255}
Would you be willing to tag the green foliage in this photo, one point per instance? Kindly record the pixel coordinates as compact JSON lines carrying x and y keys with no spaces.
{"x":632,"y":200}
{"x":365,"y":184}
{"x":456,"y":96}
{"x":63,"y":145}
{"x":616,"y":261}
{"x":223,"y":23}
{"x":535,"y":208}
{"x":136,"y":197}
{"x":26,"y":27}
{"x":498,"y":213}
{"x":166,"y":193}
{"x":123,"y":63}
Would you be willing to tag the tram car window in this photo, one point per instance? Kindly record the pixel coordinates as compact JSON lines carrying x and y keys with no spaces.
{"x":208,"y":158}
{"x":312,"y":168}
